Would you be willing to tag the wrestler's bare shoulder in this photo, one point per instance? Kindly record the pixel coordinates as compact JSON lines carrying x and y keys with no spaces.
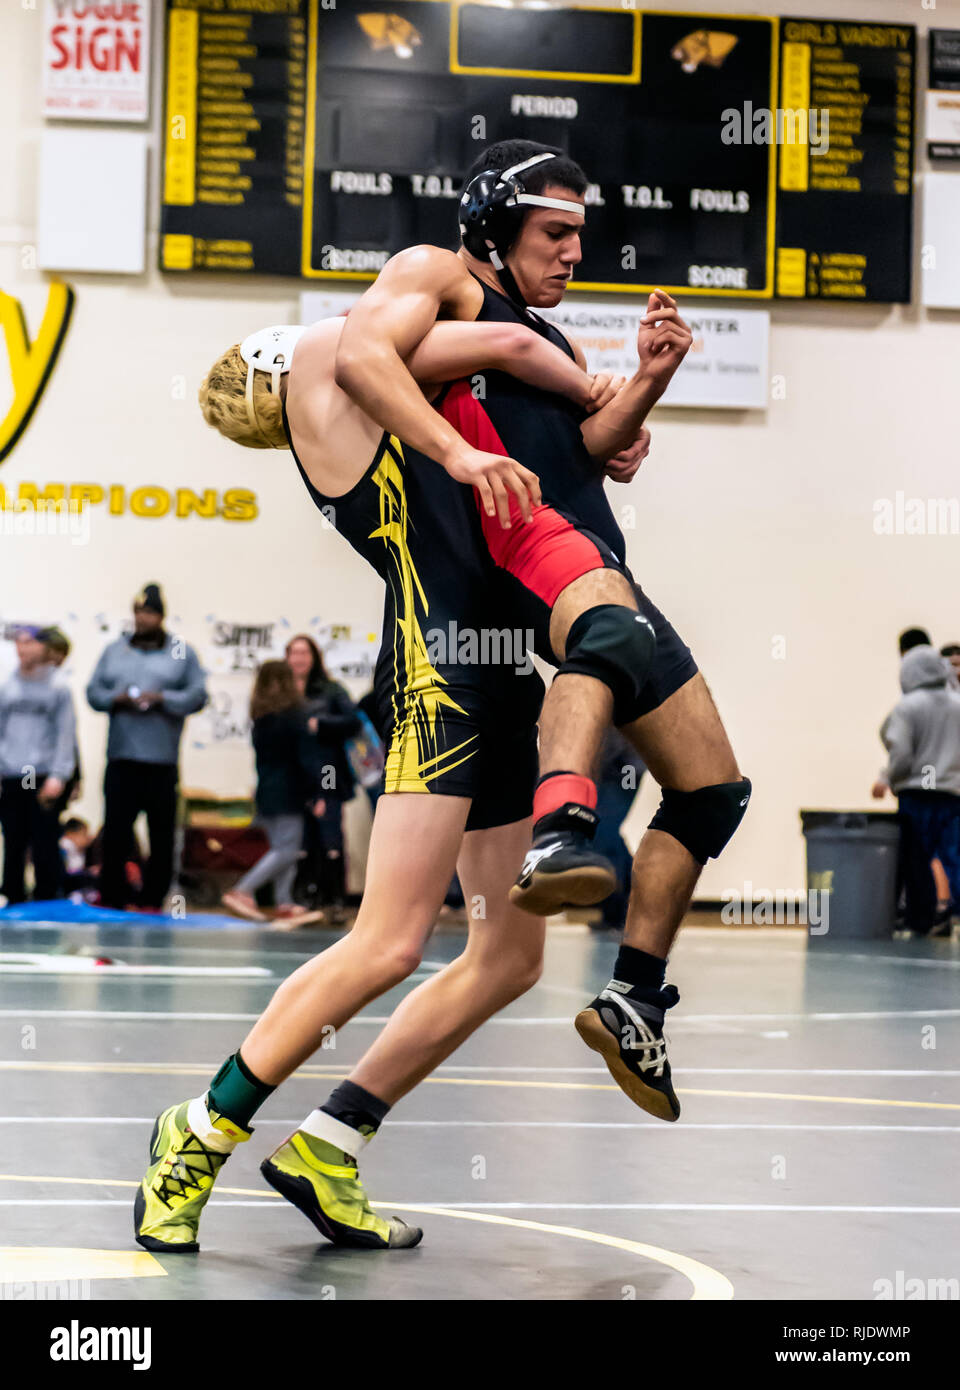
{"x":440,"y":270}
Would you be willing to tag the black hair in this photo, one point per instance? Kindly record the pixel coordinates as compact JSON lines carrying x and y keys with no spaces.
{"x":562,"y":172}
{"x":913,"y":637}
{"x":74,"y":823}
{"x":951,"y":649}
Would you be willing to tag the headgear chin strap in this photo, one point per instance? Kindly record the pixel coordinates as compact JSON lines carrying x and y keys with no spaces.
{"x":268,"y":350}
{"x":491,"y":211}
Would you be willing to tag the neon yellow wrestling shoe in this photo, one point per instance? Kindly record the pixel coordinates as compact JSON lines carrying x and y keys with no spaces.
{"x":189,"y":1146}
{"x":321,"y":1180}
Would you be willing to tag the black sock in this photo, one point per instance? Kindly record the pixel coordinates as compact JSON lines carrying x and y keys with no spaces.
{"x":353,"y":1106}
{"x":236,"y":1092}
{"x":639,"y":969}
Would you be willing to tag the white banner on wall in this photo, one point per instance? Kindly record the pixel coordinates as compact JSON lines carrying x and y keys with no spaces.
{"x":96,"y":60}
{"x":726,"y":367}
{"x":325,"y":304}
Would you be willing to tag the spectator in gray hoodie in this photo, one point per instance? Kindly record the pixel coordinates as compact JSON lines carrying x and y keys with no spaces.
{"x":922,"y":737}
{"x":37,"y":756}
{"x":148,"y":682}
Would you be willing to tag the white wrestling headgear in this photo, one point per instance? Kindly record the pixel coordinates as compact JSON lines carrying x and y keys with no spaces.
{"x":268,"y":350}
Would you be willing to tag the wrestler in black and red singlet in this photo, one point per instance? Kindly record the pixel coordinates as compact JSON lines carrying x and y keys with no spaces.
{"x":574,"y":531}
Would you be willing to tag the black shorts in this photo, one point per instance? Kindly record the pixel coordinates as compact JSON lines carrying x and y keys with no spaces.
{"x":463,"y":723}
{"x":529,"y":592}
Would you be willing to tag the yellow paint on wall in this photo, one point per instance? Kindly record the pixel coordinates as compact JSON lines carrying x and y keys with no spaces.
{"x":30,"y":362}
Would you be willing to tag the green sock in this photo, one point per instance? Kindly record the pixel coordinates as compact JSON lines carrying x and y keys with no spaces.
{"x":236,"y":1092}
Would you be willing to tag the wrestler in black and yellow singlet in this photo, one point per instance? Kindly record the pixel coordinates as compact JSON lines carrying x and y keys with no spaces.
{"x":455,"y":723}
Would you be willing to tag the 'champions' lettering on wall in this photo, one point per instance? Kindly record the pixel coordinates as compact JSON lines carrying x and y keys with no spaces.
{"x":113,"y":499}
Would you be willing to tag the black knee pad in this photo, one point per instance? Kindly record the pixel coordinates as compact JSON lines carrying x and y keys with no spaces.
{"x":615,"y":645}
{"x":703,"y":821}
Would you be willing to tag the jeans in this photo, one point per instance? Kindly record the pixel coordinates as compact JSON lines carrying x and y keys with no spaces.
{"x":929,"y":829}
{"x":29,"y":826}
{"x":322,"y":878}
{"x":279,"y":865}
{"x":613,"y":807}
{"x":130,"y":787}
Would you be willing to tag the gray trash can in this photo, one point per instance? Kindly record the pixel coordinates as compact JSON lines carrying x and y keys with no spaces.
{"x":851,"y":857}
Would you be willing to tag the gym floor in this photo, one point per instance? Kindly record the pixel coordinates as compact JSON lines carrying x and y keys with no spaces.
{"x":816,"y":1154}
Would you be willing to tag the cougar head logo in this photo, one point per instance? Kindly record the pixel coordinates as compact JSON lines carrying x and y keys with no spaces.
{"x":390,"y":31}
{"x":707,"y":46}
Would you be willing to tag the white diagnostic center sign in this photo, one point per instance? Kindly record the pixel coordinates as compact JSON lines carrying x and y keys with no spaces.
{"x":727,"y":366}
{"x":96,"y":60}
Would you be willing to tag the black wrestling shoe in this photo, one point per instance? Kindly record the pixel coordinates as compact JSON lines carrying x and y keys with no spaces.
{"x":627,"y":1031}
{"x":560,"y":869}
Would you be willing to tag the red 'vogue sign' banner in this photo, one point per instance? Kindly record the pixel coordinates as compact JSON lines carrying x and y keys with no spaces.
{"x":96,"y":60}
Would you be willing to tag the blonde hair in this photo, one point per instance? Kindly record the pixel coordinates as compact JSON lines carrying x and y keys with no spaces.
{"x":223,"y":402}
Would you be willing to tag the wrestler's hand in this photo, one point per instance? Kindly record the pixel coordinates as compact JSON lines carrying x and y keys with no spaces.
{"x":879,"y":790}
{"x":495,"y":476}
{"x":603,"y":387}
{"x":623,"y":466}
{"x":663,"y":339}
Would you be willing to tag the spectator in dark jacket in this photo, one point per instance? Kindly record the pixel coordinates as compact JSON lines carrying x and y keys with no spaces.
{"x":38,"y":752}
{"x":148,"y":682}
{"x":333,"y":720}
{"x":289,"y":777}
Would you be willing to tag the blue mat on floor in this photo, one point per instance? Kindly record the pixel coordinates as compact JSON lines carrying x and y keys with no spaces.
{"x":62,"y":910}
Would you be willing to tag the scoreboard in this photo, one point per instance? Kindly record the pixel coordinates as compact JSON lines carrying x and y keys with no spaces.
{"x":738,"y":156}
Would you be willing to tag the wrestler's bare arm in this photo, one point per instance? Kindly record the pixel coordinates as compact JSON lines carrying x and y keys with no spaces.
{"x":383,"y":328}
{"x":453,"y":350}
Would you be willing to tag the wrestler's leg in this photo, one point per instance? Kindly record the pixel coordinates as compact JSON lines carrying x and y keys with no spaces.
{"x":685,"y":747}
{"x":413,"y":852}
{"x":604,"y":648}
{"x":316,"y":1167}
{"x":501,"y":961}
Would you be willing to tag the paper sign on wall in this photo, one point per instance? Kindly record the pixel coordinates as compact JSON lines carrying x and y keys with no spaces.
{"x":96,"y":60}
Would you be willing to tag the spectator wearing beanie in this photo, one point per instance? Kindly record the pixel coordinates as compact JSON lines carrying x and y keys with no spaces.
{"x":148,"y":682}
{"x":37,"y":756}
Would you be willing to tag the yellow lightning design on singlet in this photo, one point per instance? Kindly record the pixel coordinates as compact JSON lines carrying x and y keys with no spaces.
{"x":415,"y":757}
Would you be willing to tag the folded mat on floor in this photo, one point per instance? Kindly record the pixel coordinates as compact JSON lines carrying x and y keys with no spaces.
{"x":86,"y":914}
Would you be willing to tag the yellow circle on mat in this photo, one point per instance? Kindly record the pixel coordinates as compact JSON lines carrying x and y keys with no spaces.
{"x":43,"y":1264}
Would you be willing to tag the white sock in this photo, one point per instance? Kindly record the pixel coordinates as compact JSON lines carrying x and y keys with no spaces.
{"x":198,"y":1118}
{"x":320,"y":1125}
